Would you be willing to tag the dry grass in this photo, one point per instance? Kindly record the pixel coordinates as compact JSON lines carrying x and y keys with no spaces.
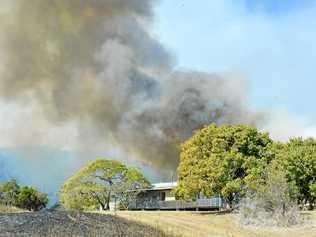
{"x":188,"y":224}
{"x":11,"y":209}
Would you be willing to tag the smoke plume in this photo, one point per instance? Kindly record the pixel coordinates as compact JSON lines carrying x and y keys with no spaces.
{"x":96,"y":64}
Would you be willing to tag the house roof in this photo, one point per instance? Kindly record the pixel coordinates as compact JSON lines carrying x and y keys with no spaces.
{"x":158,"y":186}
{"x":163,"y":186}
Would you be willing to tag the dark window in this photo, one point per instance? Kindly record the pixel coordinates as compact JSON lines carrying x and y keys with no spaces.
{"x":162,"y":196}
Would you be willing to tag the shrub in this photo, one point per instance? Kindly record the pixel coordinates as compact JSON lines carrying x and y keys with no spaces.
{"x":31,"y":199}
{"x":272,"y":203}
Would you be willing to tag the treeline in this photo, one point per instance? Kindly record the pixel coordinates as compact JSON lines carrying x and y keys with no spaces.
{"x":25,"y":197}
{"x":233,"y":161}
{"x":236,"y":161}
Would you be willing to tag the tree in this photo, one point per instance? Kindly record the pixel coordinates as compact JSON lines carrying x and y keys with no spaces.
{"x":272,"y":202}
{"x":31,"y":199}
{"x":99,"y":182}
{"x":9,"y":192}
{"x":217,"y":160}
{"x":298,"y":158}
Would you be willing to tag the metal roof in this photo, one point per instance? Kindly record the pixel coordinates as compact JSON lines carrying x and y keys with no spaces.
{"x":158,"y":186}
{"x":163,"y":186}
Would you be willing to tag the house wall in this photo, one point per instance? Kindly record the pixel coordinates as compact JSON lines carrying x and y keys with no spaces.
{"x":169,"y":195}
{"x":150,"y":199}
{"x":165,"y":200}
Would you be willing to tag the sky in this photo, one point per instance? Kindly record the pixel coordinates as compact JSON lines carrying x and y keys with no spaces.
{"x":271,"y":42}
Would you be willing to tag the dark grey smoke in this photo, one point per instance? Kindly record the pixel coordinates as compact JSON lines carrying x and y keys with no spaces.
{"x":96,"y":63}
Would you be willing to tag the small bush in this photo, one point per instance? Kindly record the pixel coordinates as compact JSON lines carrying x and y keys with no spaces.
{"x":31,"y":199}
{"x":272,"y":203}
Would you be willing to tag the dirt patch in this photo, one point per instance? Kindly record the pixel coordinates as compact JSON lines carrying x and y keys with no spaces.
{"x":72,"y":224}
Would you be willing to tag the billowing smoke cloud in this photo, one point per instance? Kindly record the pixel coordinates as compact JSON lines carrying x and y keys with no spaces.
{"x":95,"y":64}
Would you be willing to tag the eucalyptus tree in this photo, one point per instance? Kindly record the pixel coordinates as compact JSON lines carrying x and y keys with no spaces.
{"x":99,"y":182}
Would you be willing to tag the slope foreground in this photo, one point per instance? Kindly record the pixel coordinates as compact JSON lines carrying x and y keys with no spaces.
{"x":193,"y":224}
{"x":55,"y":224}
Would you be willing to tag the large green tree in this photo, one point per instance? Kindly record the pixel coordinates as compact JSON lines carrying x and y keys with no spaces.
{"x":298,"y":158}
{"x":99,"y":182}
{"x":220,"y":160}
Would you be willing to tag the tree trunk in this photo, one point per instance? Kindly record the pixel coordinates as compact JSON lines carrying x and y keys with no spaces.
{"x":230,"y":201}
{"x":108,"y":201}
{"x":102,"y":206}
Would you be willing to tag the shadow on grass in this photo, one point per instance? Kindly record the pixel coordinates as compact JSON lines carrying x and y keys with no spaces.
{"x":215,"y":213}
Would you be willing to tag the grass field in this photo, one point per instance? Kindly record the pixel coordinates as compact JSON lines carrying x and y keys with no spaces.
{"x":8,"y":209}
{"x":13,"y":222}
{"x":189,"y":224}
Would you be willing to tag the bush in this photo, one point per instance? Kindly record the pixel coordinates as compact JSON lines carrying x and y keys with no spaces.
{"x":31,"y":199}
{"x":272,"y":203}
{"x":9,"y":192}
{"x":12,"y":195}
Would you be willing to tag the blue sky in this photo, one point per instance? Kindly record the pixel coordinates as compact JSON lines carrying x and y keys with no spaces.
{"x":271,"y":42}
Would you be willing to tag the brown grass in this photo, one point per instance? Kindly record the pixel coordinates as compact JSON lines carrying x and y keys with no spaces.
{"x":189,"y":224}
{"x":11,"y":209}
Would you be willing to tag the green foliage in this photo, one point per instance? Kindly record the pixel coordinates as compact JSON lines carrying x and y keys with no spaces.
{"x":298,"y":158}
{"x":31,"y":199}
{"x":219,"y":160}
{"x":98,"y":183}
{"x":275,"y":191}
{"x":312,"y":188}
{"x":230,"y":159}
{"x":11,"y":194}
{"x":272,"y":201}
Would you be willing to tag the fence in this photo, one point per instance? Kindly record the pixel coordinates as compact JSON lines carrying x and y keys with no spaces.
{"x":211,"y":203}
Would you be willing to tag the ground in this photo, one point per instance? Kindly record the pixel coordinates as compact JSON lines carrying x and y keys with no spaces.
{"x":64,"y":224}
{"x":138,"y":224}
{"x":6,"y":209}
{"x":189,"y":224}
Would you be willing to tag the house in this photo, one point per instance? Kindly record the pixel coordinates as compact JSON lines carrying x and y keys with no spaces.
{"x":160,"y":196}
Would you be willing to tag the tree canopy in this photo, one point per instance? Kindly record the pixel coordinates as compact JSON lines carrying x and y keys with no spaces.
{"x":99,"y":182}
{"x":232,"y":159}
{"x":298,"y":158}
{"x":220,"y":159}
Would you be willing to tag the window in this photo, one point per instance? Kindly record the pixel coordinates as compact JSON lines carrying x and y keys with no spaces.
{"x":162,"y":196}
